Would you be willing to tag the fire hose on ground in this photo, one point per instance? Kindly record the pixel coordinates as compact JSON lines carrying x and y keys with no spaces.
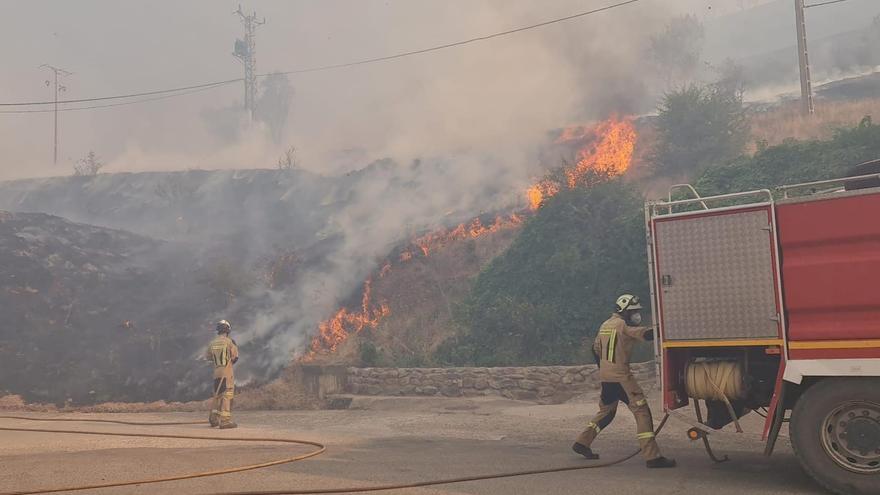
{"x":320,"y":449}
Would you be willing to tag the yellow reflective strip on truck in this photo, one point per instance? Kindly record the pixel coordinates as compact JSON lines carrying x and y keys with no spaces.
{"x":721,"y":343}
{"x":835,"y":344}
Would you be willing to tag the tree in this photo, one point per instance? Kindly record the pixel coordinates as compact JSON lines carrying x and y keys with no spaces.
{"x":273,"y":104}
{"x":676,"y":51}
{"x":88,"y":166}
{"x":700,"y":126}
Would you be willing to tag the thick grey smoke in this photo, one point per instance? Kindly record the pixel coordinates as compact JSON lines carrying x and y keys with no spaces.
{"x":496,"y":96}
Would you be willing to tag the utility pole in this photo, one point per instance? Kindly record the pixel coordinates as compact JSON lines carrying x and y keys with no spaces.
{"x":803,"y":59}
{"x":246,"y":51}
{"x":58,"y":74}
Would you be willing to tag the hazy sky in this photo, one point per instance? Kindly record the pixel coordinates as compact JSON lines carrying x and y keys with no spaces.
{"x":498,"y":97}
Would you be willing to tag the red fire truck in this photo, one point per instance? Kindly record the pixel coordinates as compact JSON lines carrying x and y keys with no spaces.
{"x":769,"y":300}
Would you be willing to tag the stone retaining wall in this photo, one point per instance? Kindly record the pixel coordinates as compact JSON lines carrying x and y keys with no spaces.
{"x":549,"y":384}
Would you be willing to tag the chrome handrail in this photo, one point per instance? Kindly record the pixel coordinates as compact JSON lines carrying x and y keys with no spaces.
{"x":705,"y":200}
{"x":841,"y":180}
{"x":689,"y":187}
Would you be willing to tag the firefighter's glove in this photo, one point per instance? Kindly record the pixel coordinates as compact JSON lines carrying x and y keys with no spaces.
{"x":648,"y":335}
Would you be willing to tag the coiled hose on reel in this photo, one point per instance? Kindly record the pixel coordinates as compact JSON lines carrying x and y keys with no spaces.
{"x":715,"y":380}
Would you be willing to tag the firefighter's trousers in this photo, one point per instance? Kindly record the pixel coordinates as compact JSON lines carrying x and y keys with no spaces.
{"x":630,"y":393}
{"x":224,"y":391}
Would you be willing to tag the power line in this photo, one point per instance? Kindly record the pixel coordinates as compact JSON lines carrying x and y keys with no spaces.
{"x":132,"y":95}
{"x":121,"y":104}
{"x":829,"y":2}
{"x":333,"y":66}
{"x":458,"y":43}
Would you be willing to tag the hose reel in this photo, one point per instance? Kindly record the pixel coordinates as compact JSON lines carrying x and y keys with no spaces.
{"x":715,"y":380}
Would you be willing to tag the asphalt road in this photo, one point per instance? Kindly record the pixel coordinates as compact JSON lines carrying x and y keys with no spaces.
{"x":398,"y":440}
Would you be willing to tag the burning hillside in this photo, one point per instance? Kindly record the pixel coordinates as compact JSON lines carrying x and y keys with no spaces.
{"x":345,"y":322}
{"x":606,"y":148}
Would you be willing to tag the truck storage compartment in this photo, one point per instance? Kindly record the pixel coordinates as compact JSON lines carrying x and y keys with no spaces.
{"x":716,"y":275}
{"x":830,"y":250}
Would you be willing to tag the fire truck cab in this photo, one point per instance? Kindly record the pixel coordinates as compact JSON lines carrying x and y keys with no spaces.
{"x":769,"y":300}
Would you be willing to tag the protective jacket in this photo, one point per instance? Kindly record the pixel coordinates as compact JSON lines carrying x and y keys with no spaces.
{"x":223,"y":353}
{"x":613,"y":345}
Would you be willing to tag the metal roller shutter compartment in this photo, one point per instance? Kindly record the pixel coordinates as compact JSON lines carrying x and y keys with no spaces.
{"x":716,"y":276}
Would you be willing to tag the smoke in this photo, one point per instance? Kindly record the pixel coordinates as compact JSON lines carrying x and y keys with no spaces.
{"x":386,"y":204}
{"x":498,"y":96}
{"x":461,"y":129}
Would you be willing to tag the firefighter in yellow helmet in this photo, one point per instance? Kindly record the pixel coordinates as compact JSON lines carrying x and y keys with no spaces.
{"x":612,"y":349}
{"x":222,"y":353}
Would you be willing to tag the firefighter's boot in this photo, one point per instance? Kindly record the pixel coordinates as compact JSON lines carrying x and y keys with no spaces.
{"x":214,"y":419}
{"x":660,"y":462}
{"x":584,"y":451}
{"x":227,"y":425}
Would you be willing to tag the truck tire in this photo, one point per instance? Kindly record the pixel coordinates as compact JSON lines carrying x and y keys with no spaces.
{"x":835,"y":434}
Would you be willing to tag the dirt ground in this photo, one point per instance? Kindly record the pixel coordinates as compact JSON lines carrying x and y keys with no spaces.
{"x":395,"y":440}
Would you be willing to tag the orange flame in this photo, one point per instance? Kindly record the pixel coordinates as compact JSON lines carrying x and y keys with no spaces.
{"x":335,"y":330}
{"x":611,"y":153}
{"x":470,"y":230}
{"x":539,"y":193}
{"x":609,"y":150}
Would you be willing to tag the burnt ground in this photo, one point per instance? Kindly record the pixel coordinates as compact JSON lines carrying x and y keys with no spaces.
{"x":92,"y":314}
{"x":398,"y":440}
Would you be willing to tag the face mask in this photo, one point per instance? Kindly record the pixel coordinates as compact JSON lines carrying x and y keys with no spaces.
{"x":636,"y":318}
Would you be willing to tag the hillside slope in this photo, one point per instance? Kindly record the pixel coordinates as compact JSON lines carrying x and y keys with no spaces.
{"x":93,"y":314}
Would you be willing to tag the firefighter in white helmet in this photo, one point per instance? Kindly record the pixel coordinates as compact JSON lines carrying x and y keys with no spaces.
{"x":222,"y":353}
{"x":612,"y":349}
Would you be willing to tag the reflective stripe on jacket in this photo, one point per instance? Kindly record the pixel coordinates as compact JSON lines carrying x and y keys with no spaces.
{"x":222,"y":352}
{"x":613,"y":345}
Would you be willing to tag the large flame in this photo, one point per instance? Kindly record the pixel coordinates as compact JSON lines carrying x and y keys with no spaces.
{"x":610,"y":153}
{"x":336,"y":330}
{"x":606,"y":148}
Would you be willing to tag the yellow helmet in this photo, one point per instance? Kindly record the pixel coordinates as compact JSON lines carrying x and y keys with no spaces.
{"x":628,"y":302}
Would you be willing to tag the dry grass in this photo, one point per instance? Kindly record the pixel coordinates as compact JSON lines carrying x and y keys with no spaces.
{"x":785,"y":122}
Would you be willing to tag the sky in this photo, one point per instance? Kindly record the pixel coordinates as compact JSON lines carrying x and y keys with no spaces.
{"x":497,"y":98}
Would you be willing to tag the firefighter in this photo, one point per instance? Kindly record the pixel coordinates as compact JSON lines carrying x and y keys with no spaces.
{"x":612,"y":349}
{"x":222,"y":353}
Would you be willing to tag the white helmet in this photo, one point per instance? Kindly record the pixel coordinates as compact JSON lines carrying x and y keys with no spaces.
{"x":627,"y":302}
{"x":223,"y":326}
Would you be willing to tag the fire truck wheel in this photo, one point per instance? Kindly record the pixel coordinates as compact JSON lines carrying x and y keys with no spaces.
{"x":835,"y":433}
